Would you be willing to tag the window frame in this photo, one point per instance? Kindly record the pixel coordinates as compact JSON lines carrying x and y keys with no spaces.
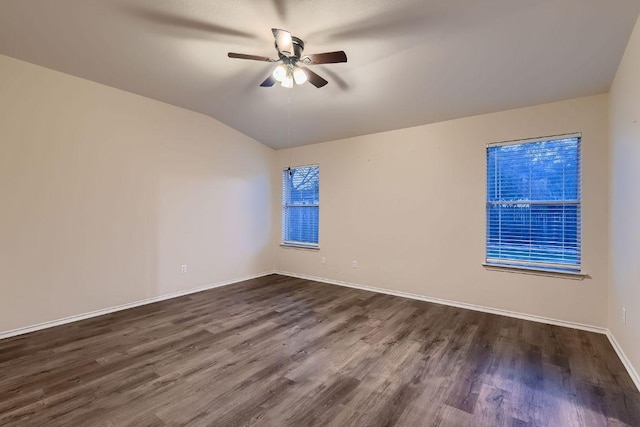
{"x":285,"y":206}
{"x":538,"y":267}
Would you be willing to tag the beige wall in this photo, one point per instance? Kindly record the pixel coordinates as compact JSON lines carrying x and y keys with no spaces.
{"x":408,"y":205}
{"x":625,"y":202}
{"x":104,"y":194}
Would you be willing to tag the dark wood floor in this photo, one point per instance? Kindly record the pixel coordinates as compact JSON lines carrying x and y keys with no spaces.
{"x":278,"y":351}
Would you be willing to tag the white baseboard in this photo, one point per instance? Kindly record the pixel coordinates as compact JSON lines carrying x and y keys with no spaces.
{"x":75,"y":318}
{"x":533,"y":318}
{"x":625,"y":361}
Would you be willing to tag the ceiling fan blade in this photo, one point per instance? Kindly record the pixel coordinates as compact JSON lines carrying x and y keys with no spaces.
{"x":399,"y":22}
{"x":280,"y":9}
{"x":252,"y":57}
{"x":171,"y":22}
{"x":315,"y":79}
{"x":270,"y":81}
{"x":328,"y":57}
{"x":284,"y":42}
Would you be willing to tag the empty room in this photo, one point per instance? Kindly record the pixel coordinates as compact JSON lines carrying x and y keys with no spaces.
{"x":319,"y":213}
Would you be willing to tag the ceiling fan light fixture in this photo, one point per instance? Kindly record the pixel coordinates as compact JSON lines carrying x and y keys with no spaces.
{"x":287,"y":72}
{"x":280,"y":72}
{"x":299,"y":75}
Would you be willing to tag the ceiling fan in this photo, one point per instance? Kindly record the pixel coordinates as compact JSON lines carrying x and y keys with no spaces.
{"x":289,"y":50}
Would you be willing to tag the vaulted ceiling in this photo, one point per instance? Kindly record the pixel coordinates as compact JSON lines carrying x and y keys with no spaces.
{"x":411,"y":62}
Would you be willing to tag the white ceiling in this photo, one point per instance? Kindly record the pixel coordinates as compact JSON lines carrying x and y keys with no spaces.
{"x":410,"y":62}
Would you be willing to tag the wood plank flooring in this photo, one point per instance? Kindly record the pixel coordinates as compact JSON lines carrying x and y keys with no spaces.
{"x":278,"y":351}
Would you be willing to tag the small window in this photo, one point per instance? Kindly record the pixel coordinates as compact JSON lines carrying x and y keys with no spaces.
{"x":300,"y":206}
{"x":533,"y":204}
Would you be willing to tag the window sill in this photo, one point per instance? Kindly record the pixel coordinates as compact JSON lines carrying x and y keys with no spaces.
{"x":565,"y":274}
{"x":307,"y":246}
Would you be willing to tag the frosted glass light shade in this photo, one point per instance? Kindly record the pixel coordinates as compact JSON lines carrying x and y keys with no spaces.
{"x":280,"y":72}
{"x":299,"y":75}
{"x":287,"y":81}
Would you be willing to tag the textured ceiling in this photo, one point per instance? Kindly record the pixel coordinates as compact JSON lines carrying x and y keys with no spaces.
{"x":410,"y":62}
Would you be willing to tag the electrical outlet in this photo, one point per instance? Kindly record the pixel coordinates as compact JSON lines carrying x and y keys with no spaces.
{"x":324,"y":260}
{"x":183,"y":268}
{"x":624,"y":315}
{"x":354,"y":264}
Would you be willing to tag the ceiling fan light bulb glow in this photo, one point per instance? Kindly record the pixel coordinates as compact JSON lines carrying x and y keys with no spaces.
{"x":280,"y":72}
{"x":299,"y":75}
{"x":287,"y":81}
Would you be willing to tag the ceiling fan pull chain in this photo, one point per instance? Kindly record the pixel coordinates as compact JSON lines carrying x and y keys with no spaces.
{"x":289,"y":130}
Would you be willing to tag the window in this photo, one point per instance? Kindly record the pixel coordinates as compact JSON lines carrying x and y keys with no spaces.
{"x":533,"y":203}
{"x":300,"y":206}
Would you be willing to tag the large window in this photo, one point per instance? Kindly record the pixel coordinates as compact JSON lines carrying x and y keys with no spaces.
{"x":533,"y":203}
{"x":300,"y":206}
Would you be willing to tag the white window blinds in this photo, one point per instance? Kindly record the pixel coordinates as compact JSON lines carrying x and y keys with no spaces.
{"x":300,"y":206}
{"x":533,"y":203}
